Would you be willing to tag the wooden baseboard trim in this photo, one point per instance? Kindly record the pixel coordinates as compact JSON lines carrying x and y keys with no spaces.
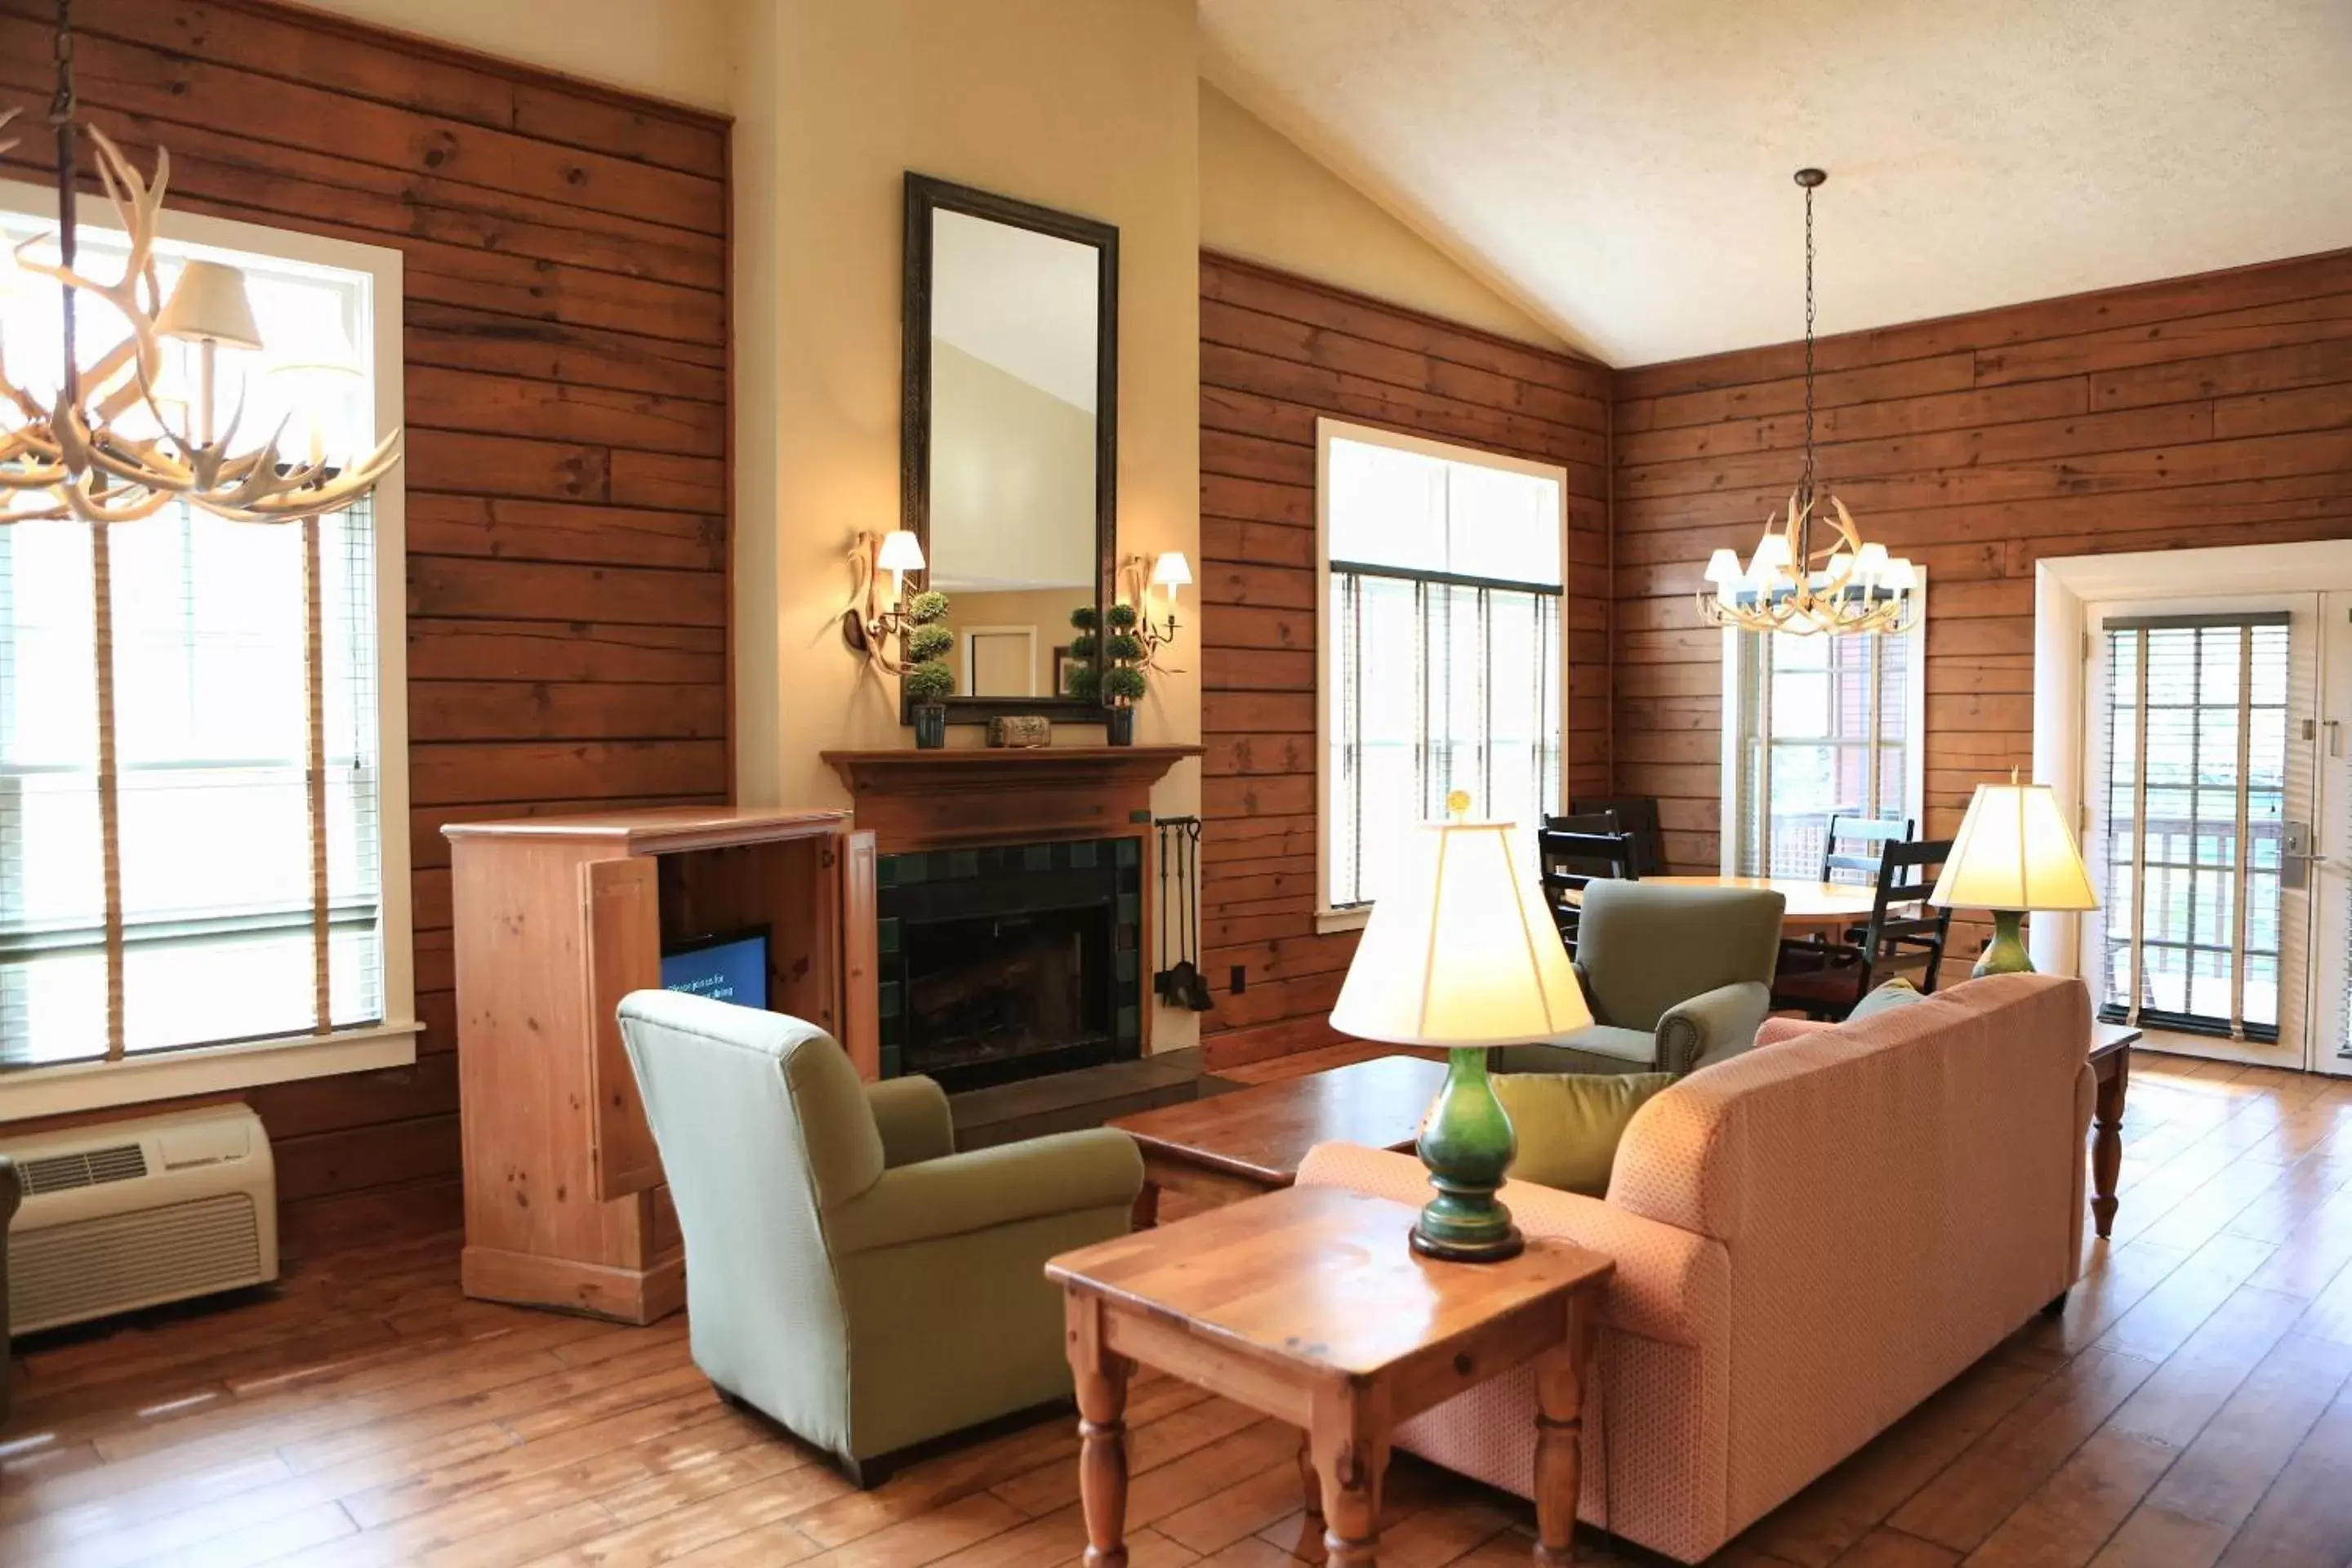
{"x":566,"y":1284}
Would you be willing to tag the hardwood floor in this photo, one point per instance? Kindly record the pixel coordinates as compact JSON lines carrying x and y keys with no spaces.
{"x":2192,"y":1407}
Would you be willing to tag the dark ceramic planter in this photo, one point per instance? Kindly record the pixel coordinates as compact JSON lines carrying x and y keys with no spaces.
{"x":1121,"y":722}
{"x":930,"y":726}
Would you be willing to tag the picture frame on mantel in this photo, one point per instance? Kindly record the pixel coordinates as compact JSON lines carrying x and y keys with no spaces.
{"x":1008,"y":233}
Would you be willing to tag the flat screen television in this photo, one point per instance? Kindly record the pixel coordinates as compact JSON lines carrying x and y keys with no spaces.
{"x":729,"y":968}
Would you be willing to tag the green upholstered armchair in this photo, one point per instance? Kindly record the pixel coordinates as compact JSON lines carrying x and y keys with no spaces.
{"x":12,"y":1192}
{"x":1678,"y":978}
{"x":847,"y":1272}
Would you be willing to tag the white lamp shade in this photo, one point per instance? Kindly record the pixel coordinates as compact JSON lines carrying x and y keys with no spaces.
{"x":1900,"y":576}
{"x":1771,"y":555}
{"x":1172,"y":570}
{"x":1460,"y":950}
{"x":2014,"y":851}
{"x":901,"y":551}
{"x":1870,"y":565}
{"x":209,"y":303}
{"x":1723,"y":569}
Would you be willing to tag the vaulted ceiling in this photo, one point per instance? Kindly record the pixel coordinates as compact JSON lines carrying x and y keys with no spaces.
{"x":1622,"y":169}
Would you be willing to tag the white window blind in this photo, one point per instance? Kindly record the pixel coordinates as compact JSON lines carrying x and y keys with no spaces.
{"x":2193,"y":749}
{"x":189,"y":749}
{"x":1442,"y":623}
{"x":1818,"y":727}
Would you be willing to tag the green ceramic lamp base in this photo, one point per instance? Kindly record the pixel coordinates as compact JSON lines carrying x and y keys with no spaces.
{"x":1467,"y":1143}
{"x":2006,"y":954}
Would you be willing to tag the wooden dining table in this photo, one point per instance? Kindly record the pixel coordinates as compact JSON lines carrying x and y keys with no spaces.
{"x":1827,"y":908}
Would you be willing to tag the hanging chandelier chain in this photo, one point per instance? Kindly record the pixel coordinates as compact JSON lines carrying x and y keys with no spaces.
{"x":63,"y":107}
{"x":1809,"y":339}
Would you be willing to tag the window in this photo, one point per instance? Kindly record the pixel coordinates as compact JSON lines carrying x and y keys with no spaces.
{"x":2191,"y":812}
{"x":1443,"y":666}
{"x":1815,"y":727}
{"x":211,"y":857}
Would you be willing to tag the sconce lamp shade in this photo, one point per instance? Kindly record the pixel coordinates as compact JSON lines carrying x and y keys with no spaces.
{"x":2014,"y":852}
{"x":209,"y":304}
{"x":1460,"y":950}
{"x":901,"y":551}
{"x":1172,"y":570}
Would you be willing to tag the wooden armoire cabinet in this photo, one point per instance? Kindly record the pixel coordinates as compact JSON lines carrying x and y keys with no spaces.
{"x":557,"y":919}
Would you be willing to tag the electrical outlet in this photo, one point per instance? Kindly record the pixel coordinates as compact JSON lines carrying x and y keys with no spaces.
{"x":1240,"y":981}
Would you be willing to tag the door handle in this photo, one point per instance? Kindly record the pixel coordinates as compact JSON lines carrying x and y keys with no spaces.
{"x":2297,"y":854}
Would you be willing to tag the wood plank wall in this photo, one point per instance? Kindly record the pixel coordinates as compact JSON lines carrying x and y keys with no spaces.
{"x":1277,"y":351}
{"x":2214,"y":410}
{"x":567,"y":415}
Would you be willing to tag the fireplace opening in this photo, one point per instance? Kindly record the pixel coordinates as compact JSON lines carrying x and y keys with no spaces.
{"x":1007,"y":961}
{"x":989,"y":995}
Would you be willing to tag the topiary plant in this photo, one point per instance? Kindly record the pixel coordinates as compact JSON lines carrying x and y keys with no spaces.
{"x":1123,"y":684}
{"x":1122,"y":617}
{"x":927,"y":606}
{"x":928,"y":682}
{"x":930,"y":642}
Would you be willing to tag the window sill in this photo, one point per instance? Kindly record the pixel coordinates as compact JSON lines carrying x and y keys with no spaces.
{"x":1330,"y":921}
{"x":99,"y":1085}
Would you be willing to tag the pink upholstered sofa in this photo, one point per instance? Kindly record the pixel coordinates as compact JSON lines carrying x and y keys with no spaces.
{"x":1809,"y":1238}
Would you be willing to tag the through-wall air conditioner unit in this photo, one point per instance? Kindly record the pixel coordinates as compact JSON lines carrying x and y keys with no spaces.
{"x":133,"y":1213}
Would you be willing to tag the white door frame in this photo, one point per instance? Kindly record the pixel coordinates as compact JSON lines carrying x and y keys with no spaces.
{"x":2062,"y":586}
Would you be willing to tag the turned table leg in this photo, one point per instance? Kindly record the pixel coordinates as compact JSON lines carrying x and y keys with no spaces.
{"x":1310,"y":1482}
{"x":1350,"y":1446}
{"x":1563,"y":1384}
{"x":2107,"y":1146}
{"x":1101,"y":1380}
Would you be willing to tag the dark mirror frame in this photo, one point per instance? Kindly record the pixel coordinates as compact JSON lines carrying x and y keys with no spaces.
{"x":925,"y":195}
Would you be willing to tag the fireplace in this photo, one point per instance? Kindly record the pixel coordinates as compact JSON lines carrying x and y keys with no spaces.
{"x":1011,"y":961}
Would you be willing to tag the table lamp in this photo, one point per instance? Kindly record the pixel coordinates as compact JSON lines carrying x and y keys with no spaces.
{"x":2014,"y":853}
{"x":1461,"y":952}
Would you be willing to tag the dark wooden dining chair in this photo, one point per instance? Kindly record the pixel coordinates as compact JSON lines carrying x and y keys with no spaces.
{"x":1906,"y":936}
{"x":1861,"y":828}
{"x":1572,"y":857}
{"x":1636,"y":815}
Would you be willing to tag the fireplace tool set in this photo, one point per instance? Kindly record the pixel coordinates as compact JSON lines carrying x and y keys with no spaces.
{"x":1180,"y":984}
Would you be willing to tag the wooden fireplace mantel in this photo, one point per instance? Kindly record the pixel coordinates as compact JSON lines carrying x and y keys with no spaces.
{"x":916,"y":799}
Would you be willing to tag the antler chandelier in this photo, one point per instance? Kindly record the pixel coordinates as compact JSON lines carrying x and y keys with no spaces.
{"x":80,"y":455}
{"x":1842,"y":586}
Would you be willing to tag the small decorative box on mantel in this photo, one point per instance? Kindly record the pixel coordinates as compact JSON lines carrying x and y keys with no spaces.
{"x":1020,"y":731}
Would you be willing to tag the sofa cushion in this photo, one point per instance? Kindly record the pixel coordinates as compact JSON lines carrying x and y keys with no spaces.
{"x":1896,"y":993}
{"x":1569,"y":1124}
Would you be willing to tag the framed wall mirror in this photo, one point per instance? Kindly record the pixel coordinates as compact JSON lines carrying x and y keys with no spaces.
{"x":1009,"y":449}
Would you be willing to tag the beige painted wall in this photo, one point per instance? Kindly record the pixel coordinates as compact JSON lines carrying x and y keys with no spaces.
{"x":1078,"y":104}
{"x":1264,"y":199}
{"x":677,"y":49}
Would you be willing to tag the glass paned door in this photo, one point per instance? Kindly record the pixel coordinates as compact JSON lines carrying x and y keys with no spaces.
{"x":2199,"y":809}
{"x":2331,"y":849}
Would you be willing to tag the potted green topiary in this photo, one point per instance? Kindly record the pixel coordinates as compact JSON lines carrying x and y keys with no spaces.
{"x":928,"y":682}
{"x":1123,"y":683}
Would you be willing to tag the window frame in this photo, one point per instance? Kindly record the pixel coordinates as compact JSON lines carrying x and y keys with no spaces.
{"x":90,"y":1085}
{"x":1735,"y":805}
{"x":1327,"y":429}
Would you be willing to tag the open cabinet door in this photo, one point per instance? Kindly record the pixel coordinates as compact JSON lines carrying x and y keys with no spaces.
{"x":621,"y":953}
{"x":861,"y":1023}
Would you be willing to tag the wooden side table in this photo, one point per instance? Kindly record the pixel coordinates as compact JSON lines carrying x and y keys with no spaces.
{"x":1306,"y":1304}
{"x":2111,"y":1051}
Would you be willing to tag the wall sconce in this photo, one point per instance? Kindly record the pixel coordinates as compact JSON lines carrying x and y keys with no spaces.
{"x":1167,"y":572}
{"x":868,"y":624}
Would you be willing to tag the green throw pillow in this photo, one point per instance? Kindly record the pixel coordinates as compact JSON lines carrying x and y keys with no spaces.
{"x":1569,"y":1124}
{"x":1896,"y":993}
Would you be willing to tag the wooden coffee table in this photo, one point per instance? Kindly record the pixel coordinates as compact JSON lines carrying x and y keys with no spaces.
{"x":1308,"y":1305}
{"x":1239,"y":1144}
